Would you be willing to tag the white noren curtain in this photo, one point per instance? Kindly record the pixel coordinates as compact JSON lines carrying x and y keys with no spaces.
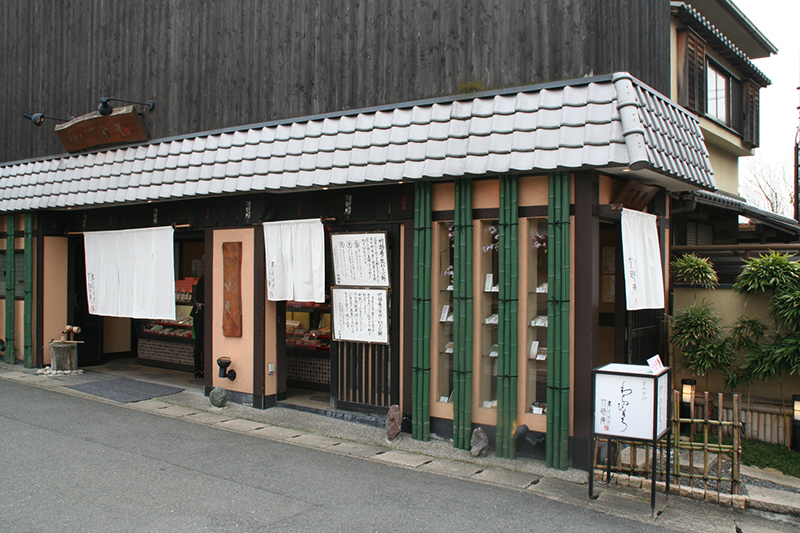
{"x":295,"y":255}
{"x":131,"y":273}
{"x":643,"y":269}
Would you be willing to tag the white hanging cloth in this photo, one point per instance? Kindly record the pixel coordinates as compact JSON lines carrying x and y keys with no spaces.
{"x":131,"y":273}
{"x":295,"y":255}
{"x":643,"y":270}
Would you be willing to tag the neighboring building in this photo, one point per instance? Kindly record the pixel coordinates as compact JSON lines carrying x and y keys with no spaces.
{"x":489,"y":149}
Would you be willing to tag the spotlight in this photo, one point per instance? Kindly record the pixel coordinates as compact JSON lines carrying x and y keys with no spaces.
{"x":106,"y":108}
{"x":38,"y":118}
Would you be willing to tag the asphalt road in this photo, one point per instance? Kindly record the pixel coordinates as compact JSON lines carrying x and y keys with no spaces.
{"x":72,"y":464}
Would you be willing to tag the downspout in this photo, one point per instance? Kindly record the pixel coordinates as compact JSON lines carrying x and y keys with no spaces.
{"x":28,"y":313}
{"x":462,"y":315}
{"x":421,"y":357}
{"x":508,"y":307}
{"x":10,"y":283}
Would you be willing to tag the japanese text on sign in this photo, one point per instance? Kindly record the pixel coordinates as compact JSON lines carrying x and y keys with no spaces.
{"x":360,"y":315}
{"x":360,"y":259}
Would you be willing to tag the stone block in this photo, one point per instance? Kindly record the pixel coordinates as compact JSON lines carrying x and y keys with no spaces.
{"x":738,"y":501}
{"x":712,"y":496}
{"x":685,"y":491}
{"x":623,"y":480}
{"x":646,"y":484}
{"x":635,"y":481}
{"x":698,"y":494}
{"x":724,"y":499}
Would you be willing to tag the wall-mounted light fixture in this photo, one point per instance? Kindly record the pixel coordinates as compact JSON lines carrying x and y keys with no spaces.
{"x":105,"y":108}
{"x":39,"y":118}
{"x":224,"y":363}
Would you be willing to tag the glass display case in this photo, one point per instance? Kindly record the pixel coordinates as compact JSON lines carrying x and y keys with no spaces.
{"x":308,"y":326}
{"x":308,"y":345}
{"x":536,"y":342}
{"x":487,"y":293}
{"x":444,"y":281}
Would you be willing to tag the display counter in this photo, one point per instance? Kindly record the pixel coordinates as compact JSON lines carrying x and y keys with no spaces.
{"x":169,"y":343}
{"x":308,"y":339}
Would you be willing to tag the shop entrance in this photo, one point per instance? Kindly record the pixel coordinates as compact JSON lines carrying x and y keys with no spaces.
{"x":314,"y":370}
{"x":129,"y":343}
{"x":628,"y":337}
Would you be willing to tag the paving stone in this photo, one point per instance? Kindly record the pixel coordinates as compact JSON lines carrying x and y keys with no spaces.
{"x":774,"y":501}
{"x":317,"y":441}
{"x":176,"y":411}
{"x":239,"y":424}
{"x":402,"y":458}
{"x":357,"y":449}
{"x":451,"y":468}
{"x":565,"y":491}
{"x":507,"y":477}
{"x":148,"y":405}
{"x":204,"y":417}
{"x":276,"y":433}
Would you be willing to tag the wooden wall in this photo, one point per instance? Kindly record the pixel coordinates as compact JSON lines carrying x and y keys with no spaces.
{"x":225,"y":63}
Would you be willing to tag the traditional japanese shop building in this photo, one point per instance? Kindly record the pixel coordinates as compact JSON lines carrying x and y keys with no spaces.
{"x":459,"y":256}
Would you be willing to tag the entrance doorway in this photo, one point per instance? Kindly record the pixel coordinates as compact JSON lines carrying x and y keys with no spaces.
{"x":123,"y":342}
{"x":316,"y":371}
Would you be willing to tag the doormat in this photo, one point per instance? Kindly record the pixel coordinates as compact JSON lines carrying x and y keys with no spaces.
{"x":125,"y":390}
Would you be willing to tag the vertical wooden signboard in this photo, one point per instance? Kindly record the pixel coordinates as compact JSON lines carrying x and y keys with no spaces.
{"x":232,"y":289}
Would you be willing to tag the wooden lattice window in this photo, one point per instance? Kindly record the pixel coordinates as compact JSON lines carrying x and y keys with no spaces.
{"x":750,"y":131}
{"x":691,"y":71}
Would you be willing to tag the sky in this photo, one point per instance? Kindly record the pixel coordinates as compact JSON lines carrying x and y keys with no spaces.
{"x":779,"y":21}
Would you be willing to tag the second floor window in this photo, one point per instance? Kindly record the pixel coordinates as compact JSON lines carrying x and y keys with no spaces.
{"x":718,"y":100}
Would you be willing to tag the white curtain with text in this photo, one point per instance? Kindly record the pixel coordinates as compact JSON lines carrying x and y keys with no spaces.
{"x":643,"y":269}
{"x":131,"y":273}
{"x":295,"y":255}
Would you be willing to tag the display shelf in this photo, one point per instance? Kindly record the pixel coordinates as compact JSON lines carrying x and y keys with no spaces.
{"x":489,"y":317}
{"x":535,"y":372}
{"x":443,"y":284}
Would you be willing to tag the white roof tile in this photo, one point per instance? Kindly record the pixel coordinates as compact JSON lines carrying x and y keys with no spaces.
{"x":563,"y":126}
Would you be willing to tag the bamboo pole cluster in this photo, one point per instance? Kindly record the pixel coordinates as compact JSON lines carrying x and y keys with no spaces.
{"x":421,"y":352}
{"x":557,"y":451}
{"x":508,"y":310}
{"x":462,"y":315}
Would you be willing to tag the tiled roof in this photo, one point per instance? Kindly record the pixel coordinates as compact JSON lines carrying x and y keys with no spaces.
{"x":719,"y":42}
{"x":601,"y":122}
{"x":740,"y":205}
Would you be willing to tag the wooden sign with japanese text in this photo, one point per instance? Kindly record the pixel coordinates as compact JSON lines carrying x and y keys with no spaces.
{"x":360,"y":259}
{"x":232,"y":289}
{"x":122,"y":126}
{"x":360,"y":315}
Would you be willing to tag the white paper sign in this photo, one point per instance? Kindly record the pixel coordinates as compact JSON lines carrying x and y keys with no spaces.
{"x":360,"y":315}
{"x":360,"y":259}
{"x":628,"y":401}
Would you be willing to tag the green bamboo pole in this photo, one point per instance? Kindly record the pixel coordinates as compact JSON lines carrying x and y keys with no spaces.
{"x":422,"y":313}
{"x":551,"y":367}
{"x":10,"y":284}
{"x":462,"y":315}
{"x":564,"y":325}
{"x":508,"y":271}
{"x":554,"y":325}
{"x":28,"y":313}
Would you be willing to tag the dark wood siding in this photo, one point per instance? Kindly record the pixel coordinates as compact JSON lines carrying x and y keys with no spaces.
{"x":225,"y":63}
